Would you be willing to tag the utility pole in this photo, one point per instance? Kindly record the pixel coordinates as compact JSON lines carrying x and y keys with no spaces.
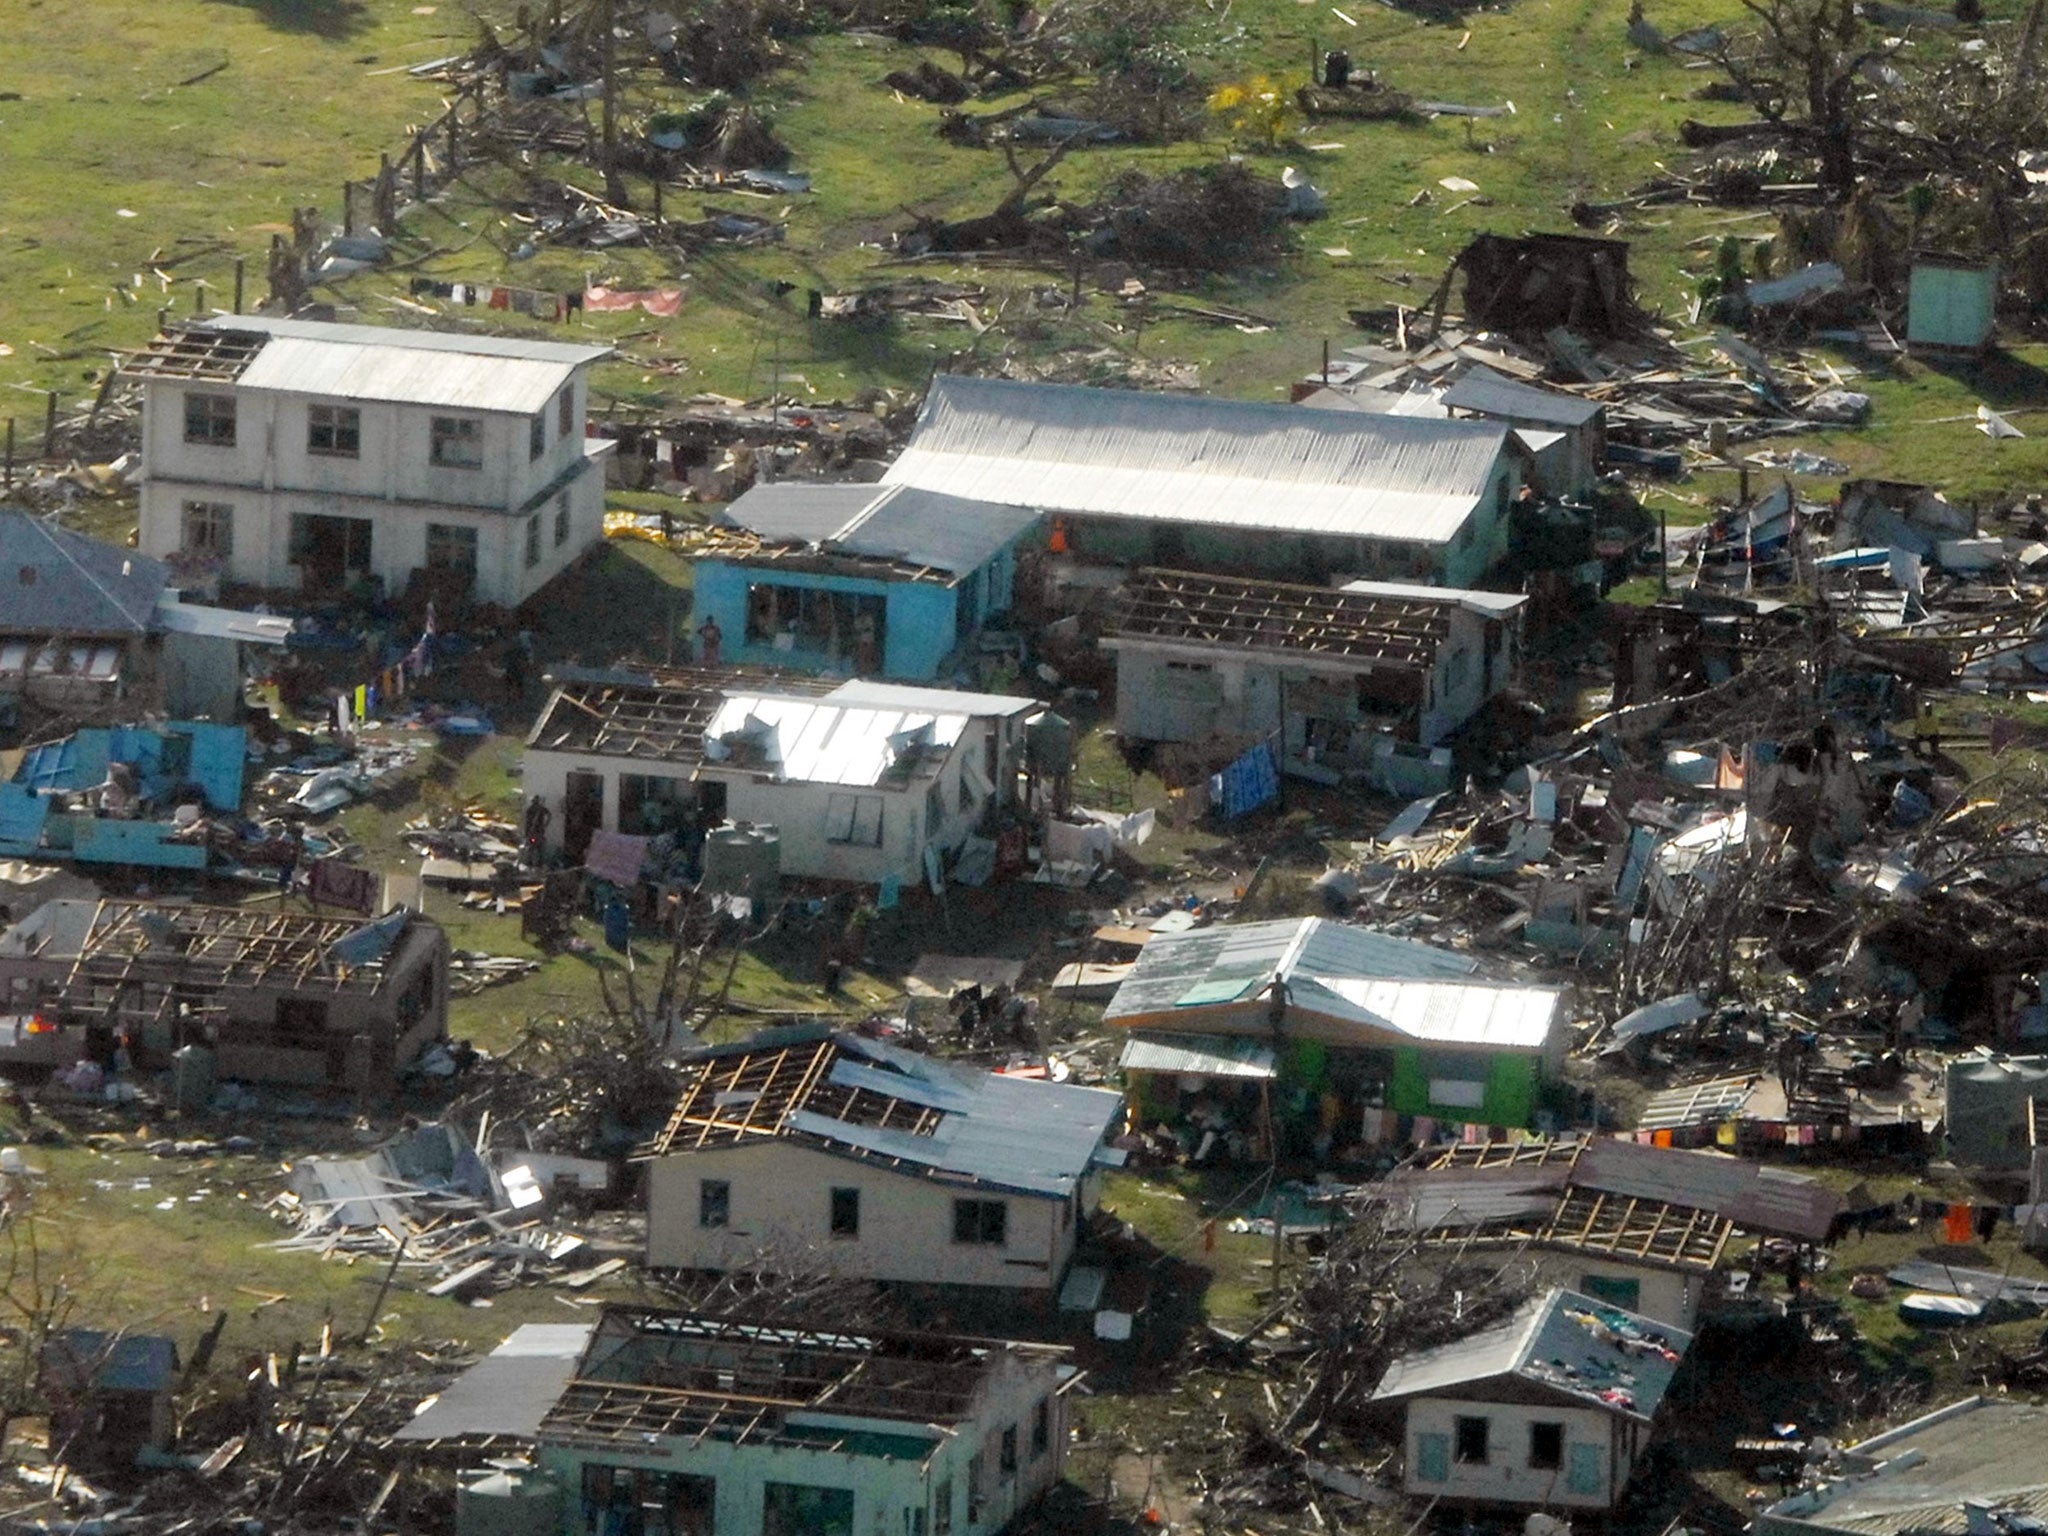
{"x":614,"y":188}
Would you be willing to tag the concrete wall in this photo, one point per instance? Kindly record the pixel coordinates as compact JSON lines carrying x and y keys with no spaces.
{"x":781,"y":1204}
{"x":800,"y":811}
{"x":890,"y":1494}
{"x":268,"y":475}
{"x":1506,"y":1477}
{"x":545,"y":776}
{"x":202,"y":677}
{"x":921,"y":622}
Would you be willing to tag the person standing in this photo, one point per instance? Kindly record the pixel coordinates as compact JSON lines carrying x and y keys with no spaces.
{"x":710,"y":638}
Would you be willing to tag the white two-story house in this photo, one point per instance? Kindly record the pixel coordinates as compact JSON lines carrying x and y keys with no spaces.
{"x":302,"y":456}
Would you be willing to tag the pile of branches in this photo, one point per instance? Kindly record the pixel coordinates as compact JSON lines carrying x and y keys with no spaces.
{"x":575,"y":1083}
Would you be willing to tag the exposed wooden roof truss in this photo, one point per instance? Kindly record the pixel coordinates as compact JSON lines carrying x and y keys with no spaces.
{"x":196,"y":352}
{"x":1226,"y":610}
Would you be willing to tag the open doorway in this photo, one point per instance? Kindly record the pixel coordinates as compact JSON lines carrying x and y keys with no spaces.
{"x":329,"y":551}
{"x":582,"y":812}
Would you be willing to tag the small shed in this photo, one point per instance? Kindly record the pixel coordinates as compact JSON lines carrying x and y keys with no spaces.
{"x":1951,"y":303}
{"x":110,"y":1395}
{"x":1566,"y":435}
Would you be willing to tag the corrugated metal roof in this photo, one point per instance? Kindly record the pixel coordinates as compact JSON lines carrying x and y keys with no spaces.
{"x":1490,"y":604}
{"x":1245,"y":464}
{"x":873,"y":695}
{"x":1561,"y":1341}
{"x":1199,"y":1055}
{"x":224,"y":623}
{"x":404,"y":375}
{"x":568,"y":354}
{"x":891,"y":522}
{"x":1458,"y":1013}
{"x":1759,"y":1199}
{"x":1248,"y":954}
{"x":510,"y":1390}
{"x":815,"y":741}
{"x":55,"y":581}
{"x":1496,"y":395}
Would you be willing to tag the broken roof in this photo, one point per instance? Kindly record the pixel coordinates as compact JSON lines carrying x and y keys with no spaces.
{"x":1231,"y":463}
{"x":113,"y":1362}
{"x":863,"y":1099}
{"x":1188,"y":608}
{"x":649,"y":1372}
{"x":1492,"y":605}
{"x":55,"y":581}
{"x":366,"y":362}
{"x":896,"y":525}
{"x":1565,"y":1345}
{"x":1753,"y":1196}
{"x":654,"y":715}
{"x":1496,"y":395}
{"x":827,"y":740}
{"x":1913,"y":1480}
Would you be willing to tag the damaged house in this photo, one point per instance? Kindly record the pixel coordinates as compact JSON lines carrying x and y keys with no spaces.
{"x":97,"y":632}
{"x":672,"y":1423}
{"x":123,"y":795}
{"x":1353,"y":1035}
{"x":1551,"y":1409}
{"x":302,"y":456}
{"x":1334,"y":670}
{"x":879,"y":1162}
{"x":1131,"y":478}
{"x":863,"y":782}
{"x":277,"y":997}
{"x":1639,"y":1227}
{"x":875,"y":581}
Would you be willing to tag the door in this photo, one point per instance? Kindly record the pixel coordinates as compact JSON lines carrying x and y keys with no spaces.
{"x":1584,"y":1474}
{"x":582,"y":812}
{"x":1432,"y":1458}
{"x":328,"y":551}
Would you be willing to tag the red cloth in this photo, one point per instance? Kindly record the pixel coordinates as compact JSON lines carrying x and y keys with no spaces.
{"x":656,"y":301}
{"x":1961,"y":1226}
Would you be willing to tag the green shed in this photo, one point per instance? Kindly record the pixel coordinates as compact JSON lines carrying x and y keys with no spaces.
{"x":1951,"y":303}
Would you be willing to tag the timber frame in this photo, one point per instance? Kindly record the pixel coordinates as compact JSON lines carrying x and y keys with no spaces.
{"x":1186,"y":607}
{"x":200,"y":353}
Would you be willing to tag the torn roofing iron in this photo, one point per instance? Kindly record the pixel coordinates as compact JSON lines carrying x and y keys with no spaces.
{"x":1251,"y":465}
{"x":875,"y":1101}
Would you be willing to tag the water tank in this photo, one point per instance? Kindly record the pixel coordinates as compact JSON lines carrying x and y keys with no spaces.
{"x":744,"y":858}
{"x":192,"y":1078}
{"x":518,"y":1502}
{"x":1049,"y":745}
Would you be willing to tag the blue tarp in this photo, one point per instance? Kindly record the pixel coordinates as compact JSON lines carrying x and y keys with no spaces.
{"x":1250,"y":782}
{"x":183,"y":752}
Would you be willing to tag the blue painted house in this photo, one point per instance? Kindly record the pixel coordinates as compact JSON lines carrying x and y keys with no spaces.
{"x":861,"y":580}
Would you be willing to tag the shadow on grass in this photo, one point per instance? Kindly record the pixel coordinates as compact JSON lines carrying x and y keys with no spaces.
{"x":2000,"y":379}
{"x":612,"y":609}
{"x":334,"y":19}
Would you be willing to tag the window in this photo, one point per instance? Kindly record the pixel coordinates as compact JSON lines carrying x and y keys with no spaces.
{"x":650,"y":805}
{"x":565,"y":411}
{"x":1432,"y":1458}
{"x":329,"y":544}
{"x":536,"y":438}
{"x":846,"y":1213}
{"x":977,"y":1487}
{"x":714,"y":1203}
{"x":843,"y":626}
{"x":210,"y":419}
{"x":334,"y":430}
{"x":792,"y":1509}
{"x":942,"y":1509}
{"x":1546,"y":1447}
{"x":458,"y":442}
{"x":983,"y":1223}
{"x":561,"y":519}
{"x":1041,"y":1428}
{"x":966,"y":795}
{"x":647,"y":1502}
{"x":450,"y":548}
{"x":1471,"y":1436}
{"x":533,"y":541}
{"x":1615,"y":1290}
{"x":209,"y":529}
{"x":301,"y":1024}
{"x":854,"y":819}
{"x":1007,"y":1461}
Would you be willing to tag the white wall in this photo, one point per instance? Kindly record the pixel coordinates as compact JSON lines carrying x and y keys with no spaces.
{"x":781,"y":1201}
{"x":268,"y":475}
{"x":1506,"y":1476}
{"x":887,"y":1491}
